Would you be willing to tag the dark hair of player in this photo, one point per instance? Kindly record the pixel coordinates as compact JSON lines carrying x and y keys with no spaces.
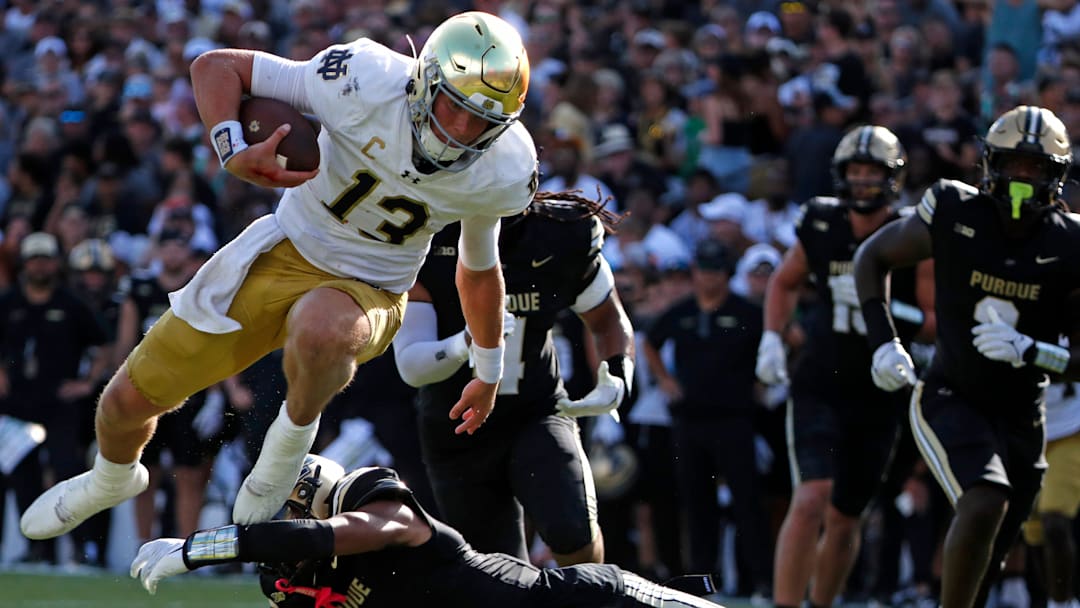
{"x":571,"y":206}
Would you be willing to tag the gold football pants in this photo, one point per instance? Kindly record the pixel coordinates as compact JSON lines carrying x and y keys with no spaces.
{"x":174,"y":360}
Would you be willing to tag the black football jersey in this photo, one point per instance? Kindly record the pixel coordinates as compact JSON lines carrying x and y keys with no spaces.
{"x":151,"y":300}
{"x":547,"y":263}
{"x":976,"y":267}
{"x":444,"y":571}
{"x":836,"y":355}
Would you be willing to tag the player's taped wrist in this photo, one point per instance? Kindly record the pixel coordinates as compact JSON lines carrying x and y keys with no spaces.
{"x":488,"y":362}
{"x":228,"y":139}
{"x":879,"y":325}
{"x":622,"y":366}
{"x":1050,"y":357}
{"x":272,"y":542}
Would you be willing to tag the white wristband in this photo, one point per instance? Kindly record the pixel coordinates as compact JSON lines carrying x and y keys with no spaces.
{"x":228,"y":138}
{"x":488,"y":362}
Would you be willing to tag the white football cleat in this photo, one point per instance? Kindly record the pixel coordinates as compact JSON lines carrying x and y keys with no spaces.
{"x":260,"y":499}
{"x":71,"y":502}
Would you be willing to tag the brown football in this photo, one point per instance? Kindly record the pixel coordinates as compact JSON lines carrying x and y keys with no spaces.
{"x":299,"y":151}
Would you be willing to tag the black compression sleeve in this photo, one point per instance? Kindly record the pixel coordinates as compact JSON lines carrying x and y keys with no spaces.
{"x":290,"y":540}
{"x":879,"y":325}
{"x":273,"y":541}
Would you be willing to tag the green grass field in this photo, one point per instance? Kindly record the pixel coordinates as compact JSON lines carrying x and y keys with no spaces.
{"x":114,"y":590}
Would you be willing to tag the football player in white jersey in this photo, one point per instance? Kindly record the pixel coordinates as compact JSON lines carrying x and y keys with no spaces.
{"x":408,"y":145}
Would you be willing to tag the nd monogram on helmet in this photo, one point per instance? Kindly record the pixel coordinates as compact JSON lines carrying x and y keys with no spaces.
{"x":874,"y":145}
{"x":479,"y":62}
{"x":1025,"y":136}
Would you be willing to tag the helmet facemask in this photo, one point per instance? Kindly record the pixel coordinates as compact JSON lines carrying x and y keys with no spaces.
{"x":478,"y":62}
{"x":446,"y":150}
{"x":1026,"y":156}
{"x":1022,"y":199}
{"x":311,"y":494}
{"x":871,"y":145}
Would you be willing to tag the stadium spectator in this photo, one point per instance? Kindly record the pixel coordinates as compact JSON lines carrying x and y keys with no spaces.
{"x":710,"y":392}
{"x":567,"y":169}
{"x":46,"y":331}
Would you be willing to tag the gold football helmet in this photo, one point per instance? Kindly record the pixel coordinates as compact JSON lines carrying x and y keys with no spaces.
{"x":875,"y":145}
{"x":479,"y":62}
{"x":1032,"y":136}
{"x":311,"y":494}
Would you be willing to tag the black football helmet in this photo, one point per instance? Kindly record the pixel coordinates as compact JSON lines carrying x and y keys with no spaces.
{"x":311,"y":494}
{"x":869,"y":144}
{"x":1031,"y":135}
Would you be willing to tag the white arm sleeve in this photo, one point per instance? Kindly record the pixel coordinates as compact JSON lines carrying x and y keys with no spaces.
{"x":421,"y":358}
{"x":479,"y":243}
{"x":280,"y":78}
{"x":597,"y":291}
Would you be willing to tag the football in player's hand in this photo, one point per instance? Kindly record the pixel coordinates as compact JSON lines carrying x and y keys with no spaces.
{"x":299,"y":150}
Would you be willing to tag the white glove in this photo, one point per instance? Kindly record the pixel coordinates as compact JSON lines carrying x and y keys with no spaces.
{"x":843,"y":290}
{"x":771,"y":359}
{"x":606,"y":397}
{"x":210,"y":418}
{"x":892,"y":368}
{"x":509,"y":323}
{"x":157,"y":560}
{"x":607,"y":431}
{"x":999,"y":341}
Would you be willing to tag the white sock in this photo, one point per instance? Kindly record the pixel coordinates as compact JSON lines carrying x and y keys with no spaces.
{"x":286,"y":441}
{"x":110,"y":474}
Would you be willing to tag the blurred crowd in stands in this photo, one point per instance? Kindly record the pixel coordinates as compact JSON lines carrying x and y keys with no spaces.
{"x":701,"y":119}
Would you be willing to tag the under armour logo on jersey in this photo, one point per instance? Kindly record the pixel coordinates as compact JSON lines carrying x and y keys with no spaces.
{"x":406,"y":175}
{"x":333,"y":65}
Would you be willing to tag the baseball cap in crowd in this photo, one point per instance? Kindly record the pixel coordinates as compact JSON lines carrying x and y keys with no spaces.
{"x":614,"y":138}
{"x":763,"y":20}
{"x":39,"y":245}
{"x":712,"y":254}
{"x":172,"y":234}
{"x":92,"y":254}
{"x":730,"y":206}
{"x":239,"y":7}
{"x":258,"y":30}
{"x":138,"y":86}
{"x":650,"y":37}
{"x":50,"y":44}
{"x":758,"y":255}
{"x":198,"y":46}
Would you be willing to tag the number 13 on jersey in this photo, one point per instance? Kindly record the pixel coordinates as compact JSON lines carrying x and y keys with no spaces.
{"x":406,"y":215}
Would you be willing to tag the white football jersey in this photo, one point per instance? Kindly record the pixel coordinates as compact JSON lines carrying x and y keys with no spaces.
{"x":369,"y":214}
